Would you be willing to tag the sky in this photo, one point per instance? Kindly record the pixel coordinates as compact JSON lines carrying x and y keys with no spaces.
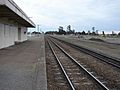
{"x":104,"y":15}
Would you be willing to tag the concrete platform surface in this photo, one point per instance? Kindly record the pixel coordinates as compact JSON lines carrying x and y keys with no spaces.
{"x":23,"y":66}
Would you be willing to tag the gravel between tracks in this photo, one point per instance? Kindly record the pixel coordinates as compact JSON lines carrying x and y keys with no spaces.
{"x":80,"y":79}
{"x":109,"y":49}
{"x":112,"y":75}
{"x":55,"y":78}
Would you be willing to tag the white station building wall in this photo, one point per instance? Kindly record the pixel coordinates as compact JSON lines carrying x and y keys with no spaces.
{"x":22,"y":34}
{"x":11,"y":33}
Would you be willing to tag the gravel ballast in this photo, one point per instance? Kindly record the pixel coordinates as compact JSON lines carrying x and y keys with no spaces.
{"x":102,"y":47}
{"x":109,"y":73}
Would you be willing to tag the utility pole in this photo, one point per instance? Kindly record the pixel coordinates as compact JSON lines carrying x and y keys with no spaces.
{"x":38,"y":28}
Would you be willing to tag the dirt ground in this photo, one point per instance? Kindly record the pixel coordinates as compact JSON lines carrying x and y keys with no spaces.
{"x":21,"y":66}
{"x":99,"y":46}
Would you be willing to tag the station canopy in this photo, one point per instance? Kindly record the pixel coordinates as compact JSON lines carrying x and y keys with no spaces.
{"x":10,"y":11}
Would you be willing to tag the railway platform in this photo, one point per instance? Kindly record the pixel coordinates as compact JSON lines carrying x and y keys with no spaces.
{"x":23,"y":66}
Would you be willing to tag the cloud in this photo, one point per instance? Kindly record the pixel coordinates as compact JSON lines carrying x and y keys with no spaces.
{"x":82,"y":14}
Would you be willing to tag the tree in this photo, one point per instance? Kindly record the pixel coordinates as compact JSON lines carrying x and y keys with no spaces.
{"x":69,"y":31}
{"x":93,"y":32}
{"x":83,"y":33}
{"x":51,"y":32}
{"x":113,"y":33}
{"x":119,"y":34}
{"x":68,"y":27}
{"x":103,"y":33}
{"x":89,"y":32}
{"x":93,"y":28}
{"x":96,"y":32}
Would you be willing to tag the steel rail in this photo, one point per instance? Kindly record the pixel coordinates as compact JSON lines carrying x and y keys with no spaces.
{"x":108,"y":59}
{"x":74,"y":60}
{"x":62,"y":68}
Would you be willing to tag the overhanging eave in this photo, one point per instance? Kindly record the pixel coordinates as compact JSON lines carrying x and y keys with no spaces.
{"x":8,"y":13}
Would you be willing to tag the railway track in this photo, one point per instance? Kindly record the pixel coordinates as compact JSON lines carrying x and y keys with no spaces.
{"x":55,"y":78}
{"x":108,"y":59}
{"x":77,"y":76}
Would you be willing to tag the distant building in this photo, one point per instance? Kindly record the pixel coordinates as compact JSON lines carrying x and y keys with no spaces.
{"x":60,"y":28}
{"x":61,"y":31}
{"x":13,"y":24}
